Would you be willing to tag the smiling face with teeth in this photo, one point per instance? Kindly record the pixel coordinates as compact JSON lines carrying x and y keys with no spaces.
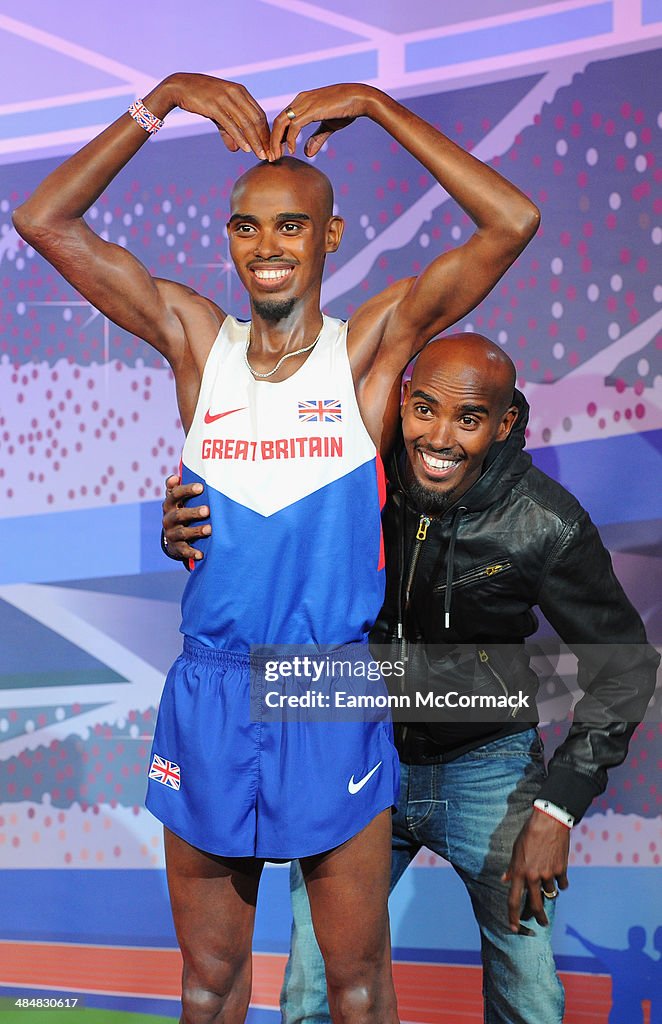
{"x":281,"y":228}
{"x":457,"y":404}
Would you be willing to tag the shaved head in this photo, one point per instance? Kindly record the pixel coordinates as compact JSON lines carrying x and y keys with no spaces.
{"x":470,"y":355}
{"x":282,"y":215}
{"x":316,"y":181}
{"x":458,"y":403}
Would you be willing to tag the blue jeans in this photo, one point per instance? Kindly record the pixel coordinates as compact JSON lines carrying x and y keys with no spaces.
{"x":469,"y":811}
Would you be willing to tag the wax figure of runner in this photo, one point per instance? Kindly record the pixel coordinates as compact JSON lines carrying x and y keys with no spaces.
{"x":285,"y":418}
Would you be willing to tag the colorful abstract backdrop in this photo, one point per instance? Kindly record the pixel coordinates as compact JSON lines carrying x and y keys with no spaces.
{"x":562,"y":98}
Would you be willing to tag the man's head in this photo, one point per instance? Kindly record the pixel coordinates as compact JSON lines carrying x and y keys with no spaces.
{"x":281,"y":227}
{"x":458,"y":402}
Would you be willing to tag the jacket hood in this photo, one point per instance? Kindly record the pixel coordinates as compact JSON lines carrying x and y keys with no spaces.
{"x":505,"y":463}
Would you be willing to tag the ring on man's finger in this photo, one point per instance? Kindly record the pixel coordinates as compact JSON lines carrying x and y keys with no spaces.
{"x":290,"y":113}
{"x":550,"y":895}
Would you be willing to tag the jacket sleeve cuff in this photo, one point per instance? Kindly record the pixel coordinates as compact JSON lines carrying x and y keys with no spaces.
{"x":571,"y":790}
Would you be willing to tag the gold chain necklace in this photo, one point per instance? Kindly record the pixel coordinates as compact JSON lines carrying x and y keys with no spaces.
{"x":288,"y":355}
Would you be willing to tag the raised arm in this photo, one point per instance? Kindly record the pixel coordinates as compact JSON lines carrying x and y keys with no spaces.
{"x":113,"y":280}
{"x":592,"y":947}
{"x":415,"y":310}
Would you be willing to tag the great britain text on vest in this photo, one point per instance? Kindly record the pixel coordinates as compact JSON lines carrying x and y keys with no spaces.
{"x":274,"y":448}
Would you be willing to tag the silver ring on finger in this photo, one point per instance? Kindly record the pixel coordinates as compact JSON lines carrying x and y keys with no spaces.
{"x":550,"y":895}
{"x":290,"y":113}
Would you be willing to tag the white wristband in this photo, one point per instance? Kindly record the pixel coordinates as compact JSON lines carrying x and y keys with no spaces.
{"x":554,"y":812}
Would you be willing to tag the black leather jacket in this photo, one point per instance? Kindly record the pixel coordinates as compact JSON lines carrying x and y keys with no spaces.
{"x":515,"y":540}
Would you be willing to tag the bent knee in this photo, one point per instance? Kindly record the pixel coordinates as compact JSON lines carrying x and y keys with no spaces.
{"x":209,"y":984}
{"x":357,"y":1003}
{"x":200,"y":1004}
{"x":359,"y":978}
{"x":369,"y":999}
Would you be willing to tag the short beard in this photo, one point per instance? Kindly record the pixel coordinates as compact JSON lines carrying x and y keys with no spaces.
{"x":434,"y":503}
{"x":274,"y":310}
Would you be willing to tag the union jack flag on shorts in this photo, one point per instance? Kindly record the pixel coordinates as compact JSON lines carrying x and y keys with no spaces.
{"x":328,"y":410}
{"x":165,"y":771}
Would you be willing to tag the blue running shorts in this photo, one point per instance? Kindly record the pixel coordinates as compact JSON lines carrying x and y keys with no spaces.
{"x":275,"y":790}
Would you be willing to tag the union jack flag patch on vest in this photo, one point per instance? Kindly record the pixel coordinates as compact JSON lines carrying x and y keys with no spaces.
{"x":322,"y":410}
{"x":165,"y":771}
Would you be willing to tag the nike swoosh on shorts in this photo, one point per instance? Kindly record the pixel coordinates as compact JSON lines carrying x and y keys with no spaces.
{"x":354,"y":787}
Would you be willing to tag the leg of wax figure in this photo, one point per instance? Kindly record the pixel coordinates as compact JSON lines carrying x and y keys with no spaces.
{"x":199,"y":722}
{"x":206,"y":889}
{"x":469,"y":811}
{"x":351,"y":883}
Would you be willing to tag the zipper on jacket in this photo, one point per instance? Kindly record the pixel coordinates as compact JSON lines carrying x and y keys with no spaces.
{"x":484,"y":657}
{"x":475,"y":574}
{"x":421,"y":535}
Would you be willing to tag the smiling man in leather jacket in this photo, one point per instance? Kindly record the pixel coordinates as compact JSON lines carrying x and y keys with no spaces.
{"x":475,"y":538}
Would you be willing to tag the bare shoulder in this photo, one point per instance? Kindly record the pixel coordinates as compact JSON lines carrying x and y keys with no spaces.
{"x":196,"y":322}
{"x":199,"y":318}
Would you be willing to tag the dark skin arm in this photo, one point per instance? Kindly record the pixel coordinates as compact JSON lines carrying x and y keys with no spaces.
{"x":174,"y":319}
{"x":387,"y":331}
